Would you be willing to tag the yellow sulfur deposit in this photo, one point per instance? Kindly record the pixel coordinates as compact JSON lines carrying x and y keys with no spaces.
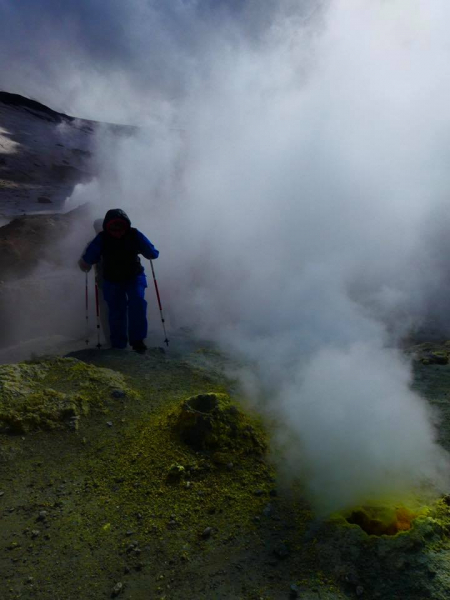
{"x":382,"y":520}
{"x":53,"y":393}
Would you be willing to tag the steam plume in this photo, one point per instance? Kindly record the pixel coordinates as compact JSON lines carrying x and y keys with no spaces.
{"x":289,"y":178}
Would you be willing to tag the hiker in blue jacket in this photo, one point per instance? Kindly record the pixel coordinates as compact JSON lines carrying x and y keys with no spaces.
{"x":124,"y":281}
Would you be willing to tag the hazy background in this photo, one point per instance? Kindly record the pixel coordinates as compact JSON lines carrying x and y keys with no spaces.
{"x":292,"y":168}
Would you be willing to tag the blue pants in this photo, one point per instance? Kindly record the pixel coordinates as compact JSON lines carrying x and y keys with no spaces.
{"x":127,"y":310}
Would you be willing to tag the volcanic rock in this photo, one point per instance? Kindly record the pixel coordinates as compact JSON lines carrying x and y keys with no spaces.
{"x":213,"y":422}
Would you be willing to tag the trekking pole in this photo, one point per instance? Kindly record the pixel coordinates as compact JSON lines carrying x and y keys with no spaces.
{"x":166,"y":341}
{"x":87,"y":310}
{"x":97,"y":310}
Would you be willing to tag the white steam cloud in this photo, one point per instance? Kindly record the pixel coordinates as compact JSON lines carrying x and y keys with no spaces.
{"x":292,"y":188}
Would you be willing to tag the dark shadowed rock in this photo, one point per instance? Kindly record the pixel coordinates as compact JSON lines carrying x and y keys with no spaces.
{"x":38,"y":109}
{"x":281,"y":550}
{"x":27,"y":240}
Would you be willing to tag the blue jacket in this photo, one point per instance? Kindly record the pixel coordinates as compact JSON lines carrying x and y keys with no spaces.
{"x":111,"y":251}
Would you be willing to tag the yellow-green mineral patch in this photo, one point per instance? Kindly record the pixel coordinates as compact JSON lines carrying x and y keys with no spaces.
{"x":213,"y":422}
{"x":176,"y":487}
{"x":431,"y":353}
{"x":382,"y":520}
{"x":54,"y":393}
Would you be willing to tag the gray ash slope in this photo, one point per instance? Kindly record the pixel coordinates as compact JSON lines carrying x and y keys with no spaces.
{"x":44,"y":154}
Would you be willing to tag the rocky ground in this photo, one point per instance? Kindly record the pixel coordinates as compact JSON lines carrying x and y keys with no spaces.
{"x":113,"y":500}
{"x":100,"y":495}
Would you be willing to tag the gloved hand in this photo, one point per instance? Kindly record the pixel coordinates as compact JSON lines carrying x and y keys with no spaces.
{"x":84,"y":266}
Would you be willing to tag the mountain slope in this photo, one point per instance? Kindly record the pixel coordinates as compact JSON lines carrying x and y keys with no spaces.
{"x":44,"y":154}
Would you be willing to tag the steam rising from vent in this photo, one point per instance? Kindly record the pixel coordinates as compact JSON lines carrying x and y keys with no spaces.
{"x":292,"y":187}
{"x":361,"y":432}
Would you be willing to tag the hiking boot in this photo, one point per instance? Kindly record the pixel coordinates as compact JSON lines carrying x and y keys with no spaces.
{"x":139,"y":347}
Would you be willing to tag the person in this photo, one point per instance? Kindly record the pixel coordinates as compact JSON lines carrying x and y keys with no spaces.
{"x":124,"y":280}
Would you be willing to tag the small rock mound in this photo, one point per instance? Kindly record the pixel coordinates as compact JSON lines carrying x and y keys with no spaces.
{"x":213,"y":422}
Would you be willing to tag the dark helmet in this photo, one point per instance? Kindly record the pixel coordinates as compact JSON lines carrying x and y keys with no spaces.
{"x":116,"y":222}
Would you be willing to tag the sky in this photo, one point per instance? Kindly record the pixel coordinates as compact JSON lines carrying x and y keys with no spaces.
{"x":54,"y":51}
{"x":292,"y":168}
